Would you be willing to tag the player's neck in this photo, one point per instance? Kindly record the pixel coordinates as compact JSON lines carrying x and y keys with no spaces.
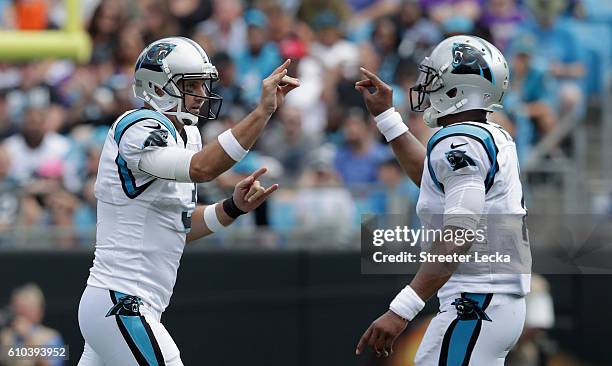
{"x":467,"y":116}
{"x":179,"y":126}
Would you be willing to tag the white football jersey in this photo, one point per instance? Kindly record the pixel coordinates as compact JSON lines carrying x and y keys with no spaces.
{"x":484,"y":149}
{"x":142,"y":220}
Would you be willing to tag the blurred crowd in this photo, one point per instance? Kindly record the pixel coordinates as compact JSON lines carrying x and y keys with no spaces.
{"x":21,"y":325}
{"x":321,"y":146}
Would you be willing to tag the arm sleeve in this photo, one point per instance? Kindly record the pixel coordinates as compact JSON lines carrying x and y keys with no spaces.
{"x":170,"y":163}
{"x":461,"y":164}
{"x":149,"y":150}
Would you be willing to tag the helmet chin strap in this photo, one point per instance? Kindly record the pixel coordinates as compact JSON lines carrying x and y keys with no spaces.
{"x":430,"y":116}
{"x":185,"y":118}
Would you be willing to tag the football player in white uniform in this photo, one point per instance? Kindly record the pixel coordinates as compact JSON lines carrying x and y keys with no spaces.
{"x":467,"y":173}
{"x":146,"y":192}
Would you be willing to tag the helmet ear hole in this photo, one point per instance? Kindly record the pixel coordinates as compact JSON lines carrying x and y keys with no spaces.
{"x":159,"y":92}
{"x":452,"y":93}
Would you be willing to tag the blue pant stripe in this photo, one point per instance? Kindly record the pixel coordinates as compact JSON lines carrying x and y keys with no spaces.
{"x":139,"y":336}
{"x":461,"y":335}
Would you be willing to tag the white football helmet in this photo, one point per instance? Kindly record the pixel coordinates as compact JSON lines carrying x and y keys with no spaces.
{"x":462,"y":73}
{"x":160,"y":70}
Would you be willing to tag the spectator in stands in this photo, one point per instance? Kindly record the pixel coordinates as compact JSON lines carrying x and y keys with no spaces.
{"x":321,"y":191}
{"x":502,"y":18}
{"x":84,"y":215}
{"x":460,"y":24}
{"x":441,"y":10}
{"x":6,"y":127}
{"x":308,"y":97}
{"x":108,"y":18}
{"x":188,"y":13}
{"x":33,"y":90}
{"x":259,"y":58}
{"x":530,"y":89}
{"x":226,"y":30}
{"x":35,"y":147}
{"x":91,"y":102}
{"x":357,"y":160}
{"x":368,"y":10}
{"x":156,"y":20}
{"x":60,"y":207}
{"x":398,"y":194}
{"x":227,"y":86}
{"x":26,"y":329}
{"x":385,"y":40}
{"x":10,"y":196}
{"x":309,"y":11}
{"x":280,"y":21}
{"x":417,"y":33}
{"x":7,"y":19}
{"x":556,"y":44}
{"x":334,"y":52}
{"x":287,"y":142}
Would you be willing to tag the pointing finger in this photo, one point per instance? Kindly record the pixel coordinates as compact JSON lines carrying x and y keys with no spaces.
{"x":281,"y":67}
{"x":373,"y":77}
{"x":259,"y":172}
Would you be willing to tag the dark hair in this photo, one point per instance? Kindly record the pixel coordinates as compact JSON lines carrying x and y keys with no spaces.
{"x":221,"y":58}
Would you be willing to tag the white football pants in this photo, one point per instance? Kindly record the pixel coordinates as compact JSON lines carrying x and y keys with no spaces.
{"x":122,"y":340}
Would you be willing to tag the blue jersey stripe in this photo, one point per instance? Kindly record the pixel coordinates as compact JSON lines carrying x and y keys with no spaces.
{"x":128,"y":182}
{"x":139,"y":115}
{"x":480,"y":134}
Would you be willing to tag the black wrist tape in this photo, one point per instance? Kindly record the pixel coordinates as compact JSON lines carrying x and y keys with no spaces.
{"x":230,"y":208}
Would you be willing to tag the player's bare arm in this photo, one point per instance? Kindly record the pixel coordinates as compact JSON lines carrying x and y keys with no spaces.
{"x":221,"y":154}
{"x":248,"y":195}
{"x":407,"y":148}
{"x":431,"y":276}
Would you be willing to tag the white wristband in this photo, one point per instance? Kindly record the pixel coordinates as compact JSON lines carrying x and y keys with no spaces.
{"x":407,"y":304}
{"x":390,"y":124}
{"x":211,"y":220}
{"x":231,"y":146}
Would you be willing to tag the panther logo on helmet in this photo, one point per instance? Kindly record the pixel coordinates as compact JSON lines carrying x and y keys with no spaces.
{"x":469,"y":60}
{"x":152,"y":60}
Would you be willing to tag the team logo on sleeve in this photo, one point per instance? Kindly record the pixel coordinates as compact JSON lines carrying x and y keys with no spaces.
{"x":468,"y":59}
{"x":156,"y":138}
{"x":458,"y":158}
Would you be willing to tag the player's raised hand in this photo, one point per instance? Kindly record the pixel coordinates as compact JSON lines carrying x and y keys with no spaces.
{"x":381,"y":334}
{"x":249,"y":193}
{"x":382,"y":97}
{"x":275,"y":87}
